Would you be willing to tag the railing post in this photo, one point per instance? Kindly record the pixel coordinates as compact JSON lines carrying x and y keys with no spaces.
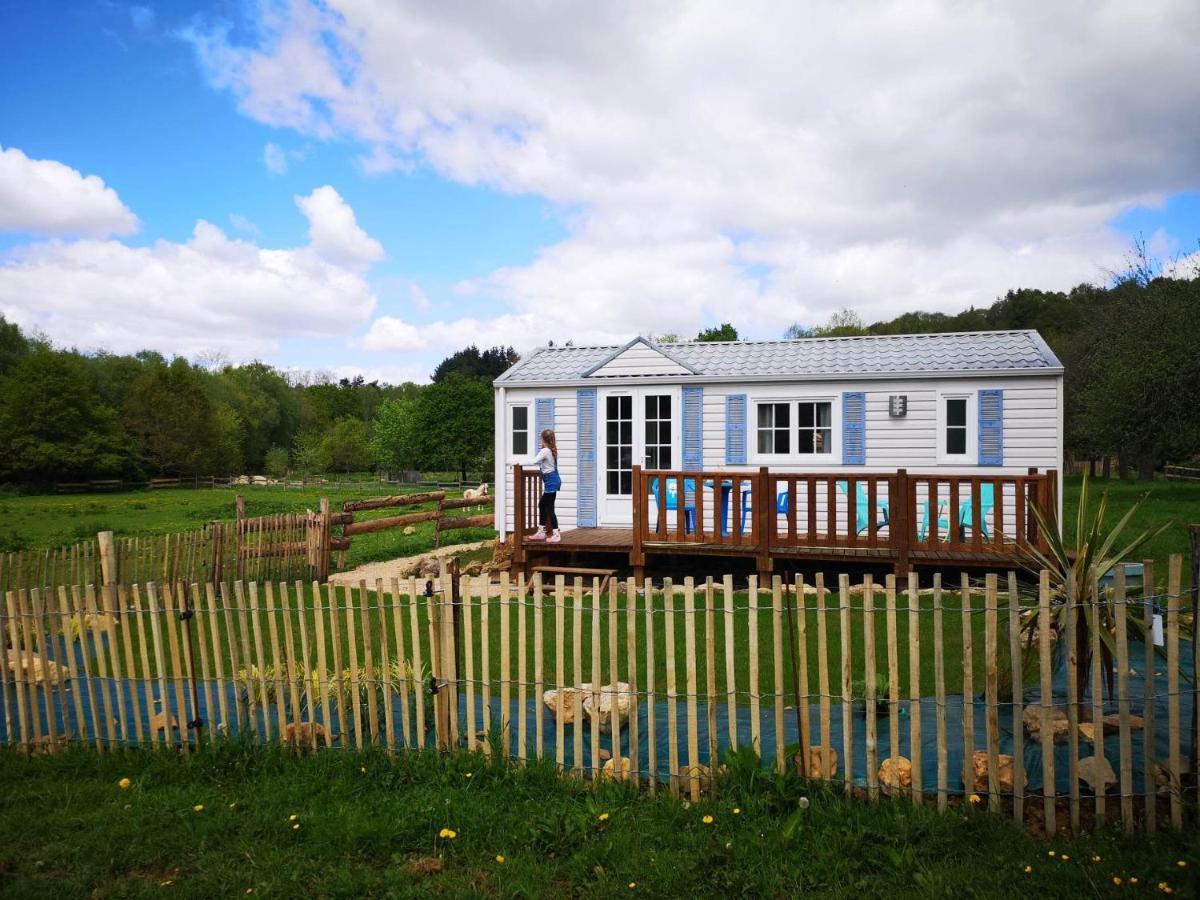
{"x":902,"y":530}
{"x":518,"y":515}
{"x":764,"y":508}
{"x":637,"y":557}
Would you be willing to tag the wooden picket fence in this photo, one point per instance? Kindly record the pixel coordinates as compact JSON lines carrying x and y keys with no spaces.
{"x":903,"y":688}
{"x":259,"y":548}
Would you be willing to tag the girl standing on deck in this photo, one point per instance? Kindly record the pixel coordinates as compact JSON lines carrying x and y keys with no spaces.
{"x":547,"y":463}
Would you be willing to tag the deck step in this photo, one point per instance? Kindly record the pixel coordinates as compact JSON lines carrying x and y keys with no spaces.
{"x":604,"y":574}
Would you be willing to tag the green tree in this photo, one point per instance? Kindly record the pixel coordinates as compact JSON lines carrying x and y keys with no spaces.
{"x":488,"y":365}
{"x":179,"y":430}
{"x":276,"y":464}
{"x":722,"y":332}
{"x":393,"y":436}
{"x":347,"y":446}
{"x":310,"y":454}
{"x":52,"y":424}
{"x":453,"y":425}
{"x":13,"y":346}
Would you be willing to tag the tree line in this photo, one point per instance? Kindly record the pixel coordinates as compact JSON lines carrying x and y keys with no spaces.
{"x":72,"y":416}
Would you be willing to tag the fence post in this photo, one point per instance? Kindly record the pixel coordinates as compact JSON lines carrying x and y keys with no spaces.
{"x":1194,"y":538}
{"x":637,"y":557}
{"x":108,"y":559}
{"x":518,"y":515}
{"x":240,"y":529}
{"x":324,"y":549}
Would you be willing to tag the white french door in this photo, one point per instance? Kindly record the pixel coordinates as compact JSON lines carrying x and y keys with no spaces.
{"x":639,"y":425}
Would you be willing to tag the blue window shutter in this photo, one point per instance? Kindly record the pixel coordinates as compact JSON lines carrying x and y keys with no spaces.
{"x":585,"y":505}
{"x":735,"y":429}
{"x":543,"y":418}
{"x":991,"y":428}
{"x":854,"y":428}
{"x":693,"y":428}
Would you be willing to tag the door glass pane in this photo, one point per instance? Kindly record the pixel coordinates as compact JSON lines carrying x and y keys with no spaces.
{"x":658,"y":431}
{"x":618,"y":455}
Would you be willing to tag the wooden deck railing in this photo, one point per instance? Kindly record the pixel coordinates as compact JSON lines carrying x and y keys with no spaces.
{"x":891,"y":515}
{"x":878,"y":514}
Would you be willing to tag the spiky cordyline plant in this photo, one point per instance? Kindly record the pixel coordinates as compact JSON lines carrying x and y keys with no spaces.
{"x":1076,"y":572}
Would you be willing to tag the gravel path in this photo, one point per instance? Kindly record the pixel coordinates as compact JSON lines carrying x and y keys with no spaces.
{"x":391,"y":568}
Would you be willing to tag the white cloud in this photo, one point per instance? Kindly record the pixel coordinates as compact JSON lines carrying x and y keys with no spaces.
{"x":244,"y":224}
{"x":275,"y":159}
{"x":45,"y":197}
{"x":209,"y":294}
{"x":333,"y":230}
{"x":755,"y":163}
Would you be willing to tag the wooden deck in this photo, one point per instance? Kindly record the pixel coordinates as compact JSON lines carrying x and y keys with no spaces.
{"x":893,"y":519}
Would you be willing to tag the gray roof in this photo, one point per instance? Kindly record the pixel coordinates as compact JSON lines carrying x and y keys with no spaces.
{"x":872,"y":356}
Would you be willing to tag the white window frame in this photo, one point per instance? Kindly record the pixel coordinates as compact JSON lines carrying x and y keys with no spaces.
{"x":531,"y":441}
{"x":833,"y":454}
{"x":971,"y":457}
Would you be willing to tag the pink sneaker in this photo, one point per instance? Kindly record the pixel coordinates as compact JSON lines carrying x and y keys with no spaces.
{"x":540,"y":536}
{"x":554,"y":538}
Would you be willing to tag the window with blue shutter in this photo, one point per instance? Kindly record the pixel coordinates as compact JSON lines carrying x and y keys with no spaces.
{"x":543,"y":418}
{"x":693,"y":428}
{"x":735,"y":429}
{"x":991,"y":428}
{"x":854,"y":428}
{"x":585,"y":409}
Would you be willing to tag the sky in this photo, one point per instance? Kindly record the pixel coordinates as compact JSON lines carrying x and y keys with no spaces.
{"x":365,"y":186}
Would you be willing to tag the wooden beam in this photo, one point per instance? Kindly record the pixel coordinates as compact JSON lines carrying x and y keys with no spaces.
{"x":373,"y":525}
{"x":398,"y":500}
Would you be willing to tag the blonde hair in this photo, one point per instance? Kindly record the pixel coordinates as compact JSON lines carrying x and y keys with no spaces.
{"x":548,"y":440}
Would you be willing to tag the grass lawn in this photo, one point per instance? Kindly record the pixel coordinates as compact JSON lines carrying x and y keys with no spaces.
{"x":239,"y":821}
{"x":41,"y":521}
{"x":1177,"y":502}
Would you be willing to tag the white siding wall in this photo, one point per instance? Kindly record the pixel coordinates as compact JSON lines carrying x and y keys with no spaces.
{"x":1032,"y":426}
{"x":565,"y":430}
{"x":640,"y":360}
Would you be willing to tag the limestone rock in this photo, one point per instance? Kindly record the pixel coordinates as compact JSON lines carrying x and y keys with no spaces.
{"x":1098,"y":772}
{"x":1032,"y":717}
{"x":701,"y":772}
{"x":1004,"y":776}
{"x":32,"y":670}
{"x":610,"y":697}
{"x":501,"y":560}
{"x":561,"y":703}
{"x":428,"y":568}
{"x":895,"y":776}
{"x":302,"y":734}
{"x":409,"y":530}
{"x":815,"y":762}
{"x":620,"y":767}
{"x":605,"y":754}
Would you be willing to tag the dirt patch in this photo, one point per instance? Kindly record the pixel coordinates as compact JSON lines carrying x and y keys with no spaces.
{"x":394,"y":568}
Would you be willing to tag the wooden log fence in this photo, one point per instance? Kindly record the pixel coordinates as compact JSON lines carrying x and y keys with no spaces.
{"x":893,"y":701}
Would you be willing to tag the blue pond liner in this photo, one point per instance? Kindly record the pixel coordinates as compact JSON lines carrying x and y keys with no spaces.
{"x":954,"y":706}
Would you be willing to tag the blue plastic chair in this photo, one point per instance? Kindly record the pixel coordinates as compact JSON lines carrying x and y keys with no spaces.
{"x":862,"y":504}
{"x":987,"y":502}
{"x":671,"y":500}
{"x":943,"y":524}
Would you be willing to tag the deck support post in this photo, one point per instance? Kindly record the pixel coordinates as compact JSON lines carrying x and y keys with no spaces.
{"x":764,"y":510}
{"x":903,"y":522}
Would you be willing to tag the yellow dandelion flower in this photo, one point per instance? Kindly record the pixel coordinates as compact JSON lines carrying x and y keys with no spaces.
{"x":293,"y":817}
{"x":707,"y":820}
{"x":199,"y":807}
{"x":1028,"y":870}
{"x":976,"y":799}
{"x":296,"y":827}
{"x":1052,"y":853}
{"x":1133,"y":880}
{"x":167,"y":883}
{"x":500,"y":858}
{"x":448,"y":834}
{"x":1065,"y":857}
{"x":603,"y":817}
{"x":1117,"y":880}
{"x":1182,"y":864}
{"x":124,"y":784}
{"x":249,"y":890}
{"x":1096,"y":858}
{"x":363,"y":770}
{"x":737,"y":811}
{"x":468,"y":775}
{"x":632,"y":885}
{"x":1165,"y":888}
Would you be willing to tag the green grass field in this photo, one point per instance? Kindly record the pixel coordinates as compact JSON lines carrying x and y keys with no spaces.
{"x":40,"y":521}
{"x":261,"y":823}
